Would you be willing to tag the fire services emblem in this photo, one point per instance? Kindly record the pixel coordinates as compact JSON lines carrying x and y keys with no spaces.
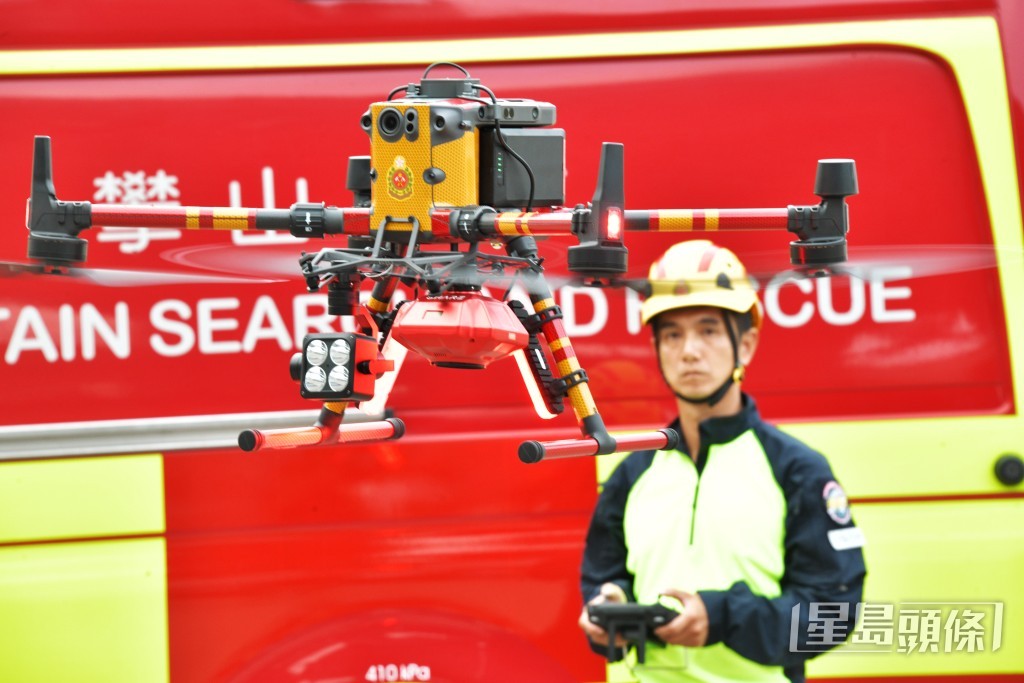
{"x":837,"y":505}
{"x":399,"y":179}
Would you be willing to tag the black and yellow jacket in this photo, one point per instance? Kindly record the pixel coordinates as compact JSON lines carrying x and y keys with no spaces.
{"x":757,"y":526}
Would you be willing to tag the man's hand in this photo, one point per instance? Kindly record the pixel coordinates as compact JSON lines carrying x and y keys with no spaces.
{"x":609,"y":593}
{"x":690,"y":628}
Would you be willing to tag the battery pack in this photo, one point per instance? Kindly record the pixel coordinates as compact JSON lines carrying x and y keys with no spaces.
{"x":504,"y":183}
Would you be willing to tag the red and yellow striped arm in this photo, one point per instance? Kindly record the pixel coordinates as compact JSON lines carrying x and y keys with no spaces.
{"x":706,"y":220}
{"x":539,"y":223}
{"x":351,"y":221}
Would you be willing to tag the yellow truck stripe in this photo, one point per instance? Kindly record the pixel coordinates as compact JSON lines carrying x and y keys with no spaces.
{"x":84,"y":611}
{"x":81,"y":498}
{"x":76,"y":609}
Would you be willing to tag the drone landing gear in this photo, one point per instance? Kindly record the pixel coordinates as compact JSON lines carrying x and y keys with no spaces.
{"x":571,"y":382}
{"x":327,"y":430}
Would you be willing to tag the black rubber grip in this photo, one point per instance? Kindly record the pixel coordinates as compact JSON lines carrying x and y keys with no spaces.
{"x":248,"y":440}
{"x":672,"y":437}
{"x":531,"y":452}
{"x":399,"y":427}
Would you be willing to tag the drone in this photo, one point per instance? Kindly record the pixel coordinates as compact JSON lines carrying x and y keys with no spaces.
{"x":451,"y":168}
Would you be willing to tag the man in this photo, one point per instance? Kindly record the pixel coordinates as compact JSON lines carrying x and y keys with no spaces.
{"x":743,"y":527}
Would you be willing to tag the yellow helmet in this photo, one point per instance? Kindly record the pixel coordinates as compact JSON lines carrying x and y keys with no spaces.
{"x":700,"y":273}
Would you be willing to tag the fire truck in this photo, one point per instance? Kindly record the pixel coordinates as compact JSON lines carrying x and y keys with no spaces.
{"x":138,"y":542}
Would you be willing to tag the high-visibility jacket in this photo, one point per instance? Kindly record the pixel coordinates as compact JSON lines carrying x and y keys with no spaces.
{"x":756,"y":525}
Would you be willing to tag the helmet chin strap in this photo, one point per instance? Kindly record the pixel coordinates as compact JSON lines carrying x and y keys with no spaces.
{"x":735,"y":376}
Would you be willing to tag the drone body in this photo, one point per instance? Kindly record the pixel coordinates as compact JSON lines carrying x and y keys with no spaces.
{"x":453,"y":167}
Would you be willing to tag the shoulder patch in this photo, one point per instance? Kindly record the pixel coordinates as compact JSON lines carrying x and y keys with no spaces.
{"x":837,"y":505}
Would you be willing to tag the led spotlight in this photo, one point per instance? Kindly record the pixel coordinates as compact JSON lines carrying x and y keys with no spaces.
{"x":338,"y":367}
{"x":341,"y":351}
{"x":314,"y":379}
{"x":339,"y":378}
{"x":316,"y":352}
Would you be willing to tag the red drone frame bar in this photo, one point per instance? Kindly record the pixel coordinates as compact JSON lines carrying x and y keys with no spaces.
{"x":663,"y":439}
{"x":327,"y":430}
{"x":553,"y":223}
{"x":357,"y":221}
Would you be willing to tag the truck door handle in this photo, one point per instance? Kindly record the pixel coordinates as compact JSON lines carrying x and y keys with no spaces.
{"x":1009,"y":469}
